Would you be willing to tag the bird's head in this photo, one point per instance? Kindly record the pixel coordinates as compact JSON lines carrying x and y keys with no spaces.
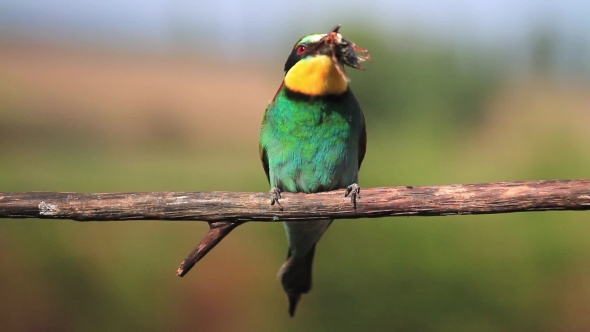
{"x":315,"y":66}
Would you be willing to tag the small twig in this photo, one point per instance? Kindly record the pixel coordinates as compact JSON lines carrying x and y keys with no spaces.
{"x":217,"y":231}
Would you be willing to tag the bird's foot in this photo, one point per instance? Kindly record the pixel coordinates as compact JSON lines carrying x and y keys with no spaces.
{"x":355,"y":193}
{"x":275,"y":196}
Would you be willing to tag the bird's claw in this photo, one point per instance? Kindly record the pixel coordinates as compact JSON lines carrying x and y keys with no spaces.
{"x":275,"y":196}
{"x":355,"y":193}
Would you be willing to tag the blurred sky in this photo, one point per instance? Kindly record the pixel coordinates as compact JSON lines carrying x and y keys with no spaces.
{"x":233,"y":23}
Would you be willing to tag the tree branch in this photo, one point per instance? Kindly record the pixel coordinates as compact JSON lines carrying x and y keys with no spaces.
{"x":226,"y":210}
{"x":500,"y":197}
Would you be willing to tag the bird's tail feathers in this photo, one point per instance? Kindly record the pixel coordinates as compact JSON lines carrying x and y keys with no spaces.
{"x":295,"y":275}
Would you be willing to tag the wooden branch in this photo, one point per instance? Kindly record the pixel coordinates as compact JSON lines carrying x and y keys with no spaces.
{"x":500,"y":197}
{"x":224,"y":211}
{"x":217,"y":231}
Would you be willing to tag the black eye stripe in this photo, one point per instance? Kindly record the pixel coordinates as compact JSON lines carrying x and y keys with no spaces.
{"x":295,"y":56}
{"x":310,"y":47}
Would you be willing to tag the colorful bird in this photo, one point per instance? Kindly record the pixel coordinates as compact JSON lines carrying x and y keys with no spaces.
{"x":313,"y":139}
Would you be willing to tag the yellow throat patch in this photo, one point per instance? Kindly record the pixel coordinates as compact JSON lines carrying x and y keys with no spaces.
{"x":317,"y":76}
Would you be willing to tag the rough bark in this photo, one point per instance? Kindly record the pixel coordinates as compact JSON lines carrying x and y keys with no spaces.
{"x":487,"y":198}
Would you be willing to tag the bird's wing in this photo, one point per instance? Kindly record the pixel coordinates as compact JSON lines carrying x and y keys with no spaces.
{"x":264,"y":160}
{"x":261,"y":149}
{"x":362,"y":142}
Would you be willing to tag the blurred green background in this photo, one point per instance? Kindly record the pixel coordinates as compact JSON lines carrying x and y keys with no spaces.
{"x":103,"y":99}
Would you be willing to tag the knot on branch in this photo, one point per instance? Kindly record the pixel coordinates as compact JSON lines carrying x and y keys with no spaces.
{"x":46,"y":209}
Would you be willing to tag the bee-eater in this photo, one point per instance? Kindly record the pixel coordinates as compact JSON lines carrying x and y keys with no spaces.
{"x":313,"y":139}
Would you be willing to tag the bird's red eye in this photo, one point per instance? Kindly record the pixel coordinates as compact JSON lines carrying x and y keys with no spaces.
{"x":301,"y":49}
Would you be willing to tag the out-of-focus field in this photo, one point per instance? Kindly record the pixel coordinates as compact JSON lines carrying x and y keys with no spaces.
{"x":127,"y":98}
{"x":80,"y":119}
